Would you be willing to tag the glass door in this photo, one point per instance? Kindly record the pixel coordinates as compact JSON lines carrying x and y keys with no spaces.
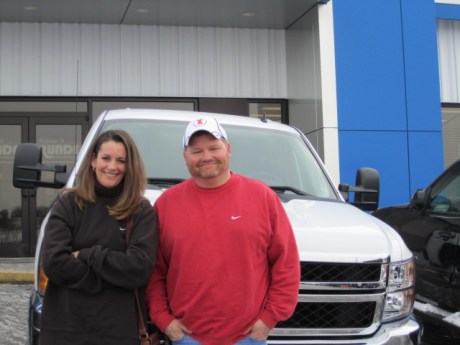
{"x":22,"y":211}
{"x":12,"y":133}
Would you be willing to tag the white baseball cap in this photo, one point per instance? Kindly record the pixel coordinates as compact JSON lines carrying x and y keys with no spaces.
{"x":208,"y":124}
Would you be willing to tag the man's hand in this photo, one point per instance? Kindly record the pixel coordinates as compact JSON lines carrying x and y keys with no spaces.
{"x":259,"y":330}
{"x":175,"y":330}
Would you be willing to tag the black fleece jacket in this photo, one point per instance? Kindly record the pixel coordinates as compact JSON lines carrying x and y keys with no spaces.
{"x":90,"y":299}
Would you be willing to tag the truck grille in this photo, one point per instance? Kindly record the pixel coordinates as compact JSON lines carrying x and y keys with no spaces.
{"x":331,"y":315}
{"x":337,"y":299}
{"x":339,"y":272}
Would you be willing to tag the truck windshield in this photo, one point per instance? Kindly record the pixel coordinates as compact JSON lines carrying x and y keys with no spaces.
{"x":280,"y":159}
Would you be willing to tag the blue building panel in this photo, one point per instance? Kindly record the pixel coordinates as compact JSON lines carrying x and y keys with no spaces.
{"x":369,"y":65}
{"x":421,"y":65}
{"x":447,"y":11}
{"x":388,"y":94}
{"x":425,"y":158}
{"x":385,"y":151}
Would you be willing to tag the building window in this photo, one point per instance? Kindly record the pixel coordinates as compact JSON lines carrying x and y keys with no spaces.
{"x":451,"y":133}
{"x":272,"y":111}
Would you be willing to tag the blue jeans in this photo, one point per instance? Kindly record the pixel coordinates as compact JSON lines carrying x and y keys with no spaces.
{"x":251,"y":341}
{"x":188,"y":340}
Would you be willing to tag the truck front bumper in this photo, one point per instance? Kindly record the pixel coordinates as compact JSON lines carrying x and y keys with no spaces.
{"x":35,"y":311}
{"x":404,"y":332}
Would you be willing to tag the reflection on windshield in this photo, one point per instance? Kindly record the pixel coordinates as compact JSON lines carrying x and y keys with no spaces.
{"x":274,"y":157}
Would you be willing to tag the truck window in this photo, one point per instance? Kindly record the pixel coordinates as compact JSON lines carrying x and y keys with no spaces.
{"x":274,"y":157}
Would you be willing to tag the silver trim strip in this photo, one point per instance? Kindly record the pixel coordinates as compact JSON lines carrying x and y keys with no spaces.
{"x":377,"y":298}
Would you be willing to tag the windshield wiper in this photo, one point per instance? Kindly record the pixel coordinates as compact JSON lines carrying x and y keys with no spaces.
{"x":284,"y":189}
{"x":164,"y":182}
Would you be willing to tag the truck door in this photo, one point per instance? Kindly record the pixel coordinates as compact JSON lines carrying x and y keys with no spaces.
{"x":442,"y":248}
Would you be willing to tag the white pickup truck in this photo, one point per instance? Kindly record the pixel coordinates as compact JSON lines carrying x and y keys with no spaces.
{"x":357,"y":275}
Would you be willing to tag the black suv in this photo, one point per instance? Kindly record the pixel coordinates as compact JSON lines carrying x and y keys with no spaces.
{"x":430,"y":226}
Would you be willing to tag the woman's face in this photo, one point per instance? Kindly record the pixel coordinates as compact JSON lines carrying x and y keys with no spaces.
{"x":110,"y":164}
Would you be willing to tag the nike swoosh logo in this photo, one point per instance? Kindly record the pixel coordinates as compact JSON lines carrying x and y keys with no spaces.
{"x":235,"y":217}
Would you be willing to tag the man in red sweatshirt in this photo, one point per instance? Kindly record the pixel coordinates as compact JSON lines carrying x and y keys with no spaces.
{"x":228,"y":267}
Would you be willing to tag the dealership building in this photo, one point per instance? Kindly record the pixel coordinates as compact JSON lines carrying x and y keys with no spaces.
{"x":371,"y":83}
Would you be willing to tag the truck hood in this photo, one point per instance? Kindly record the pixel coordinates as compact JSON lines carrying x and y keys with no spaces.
{"x":334,"y":231}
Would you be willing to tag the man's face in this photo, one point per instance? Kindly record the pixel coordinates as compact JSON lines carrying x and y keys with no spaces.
{"x":208,"y":158}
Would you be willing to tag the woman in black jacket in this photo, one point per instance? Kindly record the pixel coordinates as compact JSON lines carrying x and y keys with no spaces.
{"x":92,"y":271}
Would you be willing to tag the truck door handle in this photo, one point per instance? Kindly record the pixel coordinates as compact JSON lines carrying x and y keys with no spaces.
{"x":446,"y":235}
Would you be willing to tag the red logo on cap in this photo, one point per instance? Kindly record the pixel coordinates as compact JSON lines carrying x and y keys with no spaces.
{"x":200,"y":122}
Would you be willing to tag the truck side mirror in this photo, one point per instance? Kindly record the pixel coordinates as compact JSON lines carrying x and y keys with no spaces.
{"x":366,"y":189}
{"x":418,"y":199}
{"x":27,"y":154}
{"x":28,"y":166}
{"x":369,"y":180}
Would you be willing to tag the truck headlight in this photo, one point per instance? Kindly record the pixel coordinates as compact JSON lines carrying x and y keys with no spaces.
{"x":399,"y":300}
{"x":42,"y":281}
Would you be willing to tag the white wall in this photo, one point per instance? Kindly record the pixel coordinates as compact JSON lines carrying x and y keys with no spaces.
{"x":52,"y":59}
{"x":311,"y":83}
{"x":449,"y":64}
{"x":44,"y":59}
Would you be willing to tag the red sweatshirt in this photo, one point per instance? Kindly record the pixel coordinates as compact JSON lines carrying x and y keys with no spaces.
{"x":227,"y":257}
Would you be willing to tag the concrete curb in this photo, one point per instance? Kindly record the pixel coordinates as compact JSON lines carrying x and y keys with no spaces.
{"x":16,"y":277}
{"x":16,"y":270}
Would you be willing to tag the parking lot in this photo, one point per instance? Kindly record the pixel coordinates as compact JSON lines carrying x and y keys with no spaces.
{"x":14,"y":302}
{"x":13,"y":317}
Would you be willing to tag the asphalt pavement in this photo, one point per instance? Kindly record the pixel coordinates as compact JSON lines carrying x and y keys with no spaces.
{"x":14,"y":303}
{"x":16,"y":284}
{"x":17,"y":276}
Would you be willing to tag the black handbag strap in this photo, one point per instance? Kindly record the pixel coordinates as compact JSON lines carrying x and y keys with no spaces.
{"x":143,"y":334}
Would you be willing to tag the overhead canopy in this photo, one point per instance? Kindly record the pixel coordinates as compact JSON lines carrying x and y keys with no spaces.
{"x":266,"y":14}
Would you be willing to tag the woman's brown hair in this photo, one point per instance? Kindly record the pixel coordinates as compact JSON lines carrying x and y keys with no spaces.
{"x":135,"y":180}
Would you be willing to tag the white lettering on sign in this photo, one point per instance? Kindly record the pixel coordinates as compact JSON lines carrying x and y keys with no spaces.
{"x":7,"y":150}
{"x":50,"y":151}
